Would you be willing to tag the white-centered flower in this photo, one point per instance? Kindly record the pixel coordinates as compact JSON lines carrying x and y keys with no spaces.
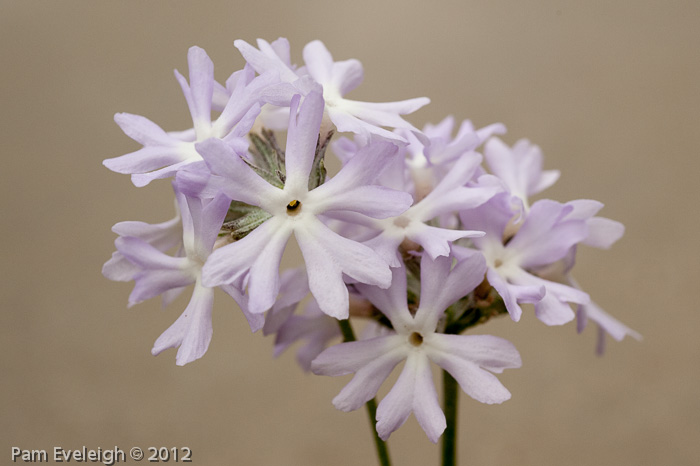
{"x":337,"y":79}
{"x":164,"y":153}
{"x":295,"y":209}
{"x":159,"y":273}
{"x":468,"y":358}
{"x":449,"y":196}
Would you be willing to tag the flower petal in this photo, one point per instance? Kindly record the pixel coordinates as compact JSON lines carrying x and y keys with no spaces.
{"x":142,"y":179}
{"x":544,"y":237}
{"x":514,"y":294}
{"x":552,"y":311}
{"x":233,"y":261}
{"x":436,"y":241}
{"x":145,"y":255}
{"x":364,"y":385}
{"x":397,"y":405}
{"x":442,"y":285}
{"x":151,"y":283}
{"x":490,"y":217}
{"x":207,"y":223}
{"x":192,"y":331}
{"x":451,"y":195}
{"x":347,"y":75}
{"x":612,"y":326}
{"x":603,"y":232}
{"x":607,"y":324}
{"x":266,"y":60}
{"x":583,"y":209}
{"x":391,"y":301}
{"x":425,"y":402}
{"x":362,"y":169}
{"x":245,"y":95}
{"x":346,"y":358}
{"x":347,"y":122}
{"x":162,"y":236}
{"x":243,"y":184}
{"x":489,"y":352}
{"x":264,"y":279}
{"x":372,"y":201}
{"x":302,"y":137}
{"x":476,"y":382}
{"x":319,"y":61}
{"x":294,"y":286}
{"x":329,"y":255}
{"x":387,"y":247}
{"x":255,"y":321}
{"x":201,"y":88}
{"x":142,"y":130}
{"x":119,"y":268}
{"x":148,"y":158}
{"x":386,"y":113}
{"x":547,"y":179}
{"x":559,"y":290}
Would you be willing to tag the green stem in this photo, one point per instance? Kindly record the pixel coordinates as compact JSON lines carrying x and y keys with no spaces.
{"x":449,"y":437}
{"x":346,"y":329}
{"x":382,"y":450}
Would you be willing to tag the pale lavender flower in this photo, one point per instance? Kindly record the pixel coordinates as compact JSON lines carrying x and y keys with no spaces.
{"x":440,"y":189}
{"x":449,"y":196}
{"x":468,"y":358}
{"x":160,"y":273}
{"x":162,"y":236}
{"x":337,"y":79}
{"x":273,"y":56}
{"x":428,"y":162}
{"x":294,"y":209}
{"x":602,"y":234}
{"x":520,"y":169}
{"x":445,"y":148}
{"x":165,"y":153}
{"x":545,"y":237}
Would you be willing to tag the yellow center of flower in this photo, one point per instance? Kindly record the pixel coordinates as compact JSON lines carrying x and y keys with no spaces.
{"x":293,"y":207}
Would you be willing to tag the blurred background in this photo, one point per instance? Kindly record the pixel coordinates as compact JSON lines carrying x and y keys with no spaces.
{"x":609,"y":90}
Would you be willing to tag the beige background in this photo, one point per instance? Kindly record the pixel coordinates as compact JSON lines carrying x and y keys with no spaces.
{"x":609,"y":90}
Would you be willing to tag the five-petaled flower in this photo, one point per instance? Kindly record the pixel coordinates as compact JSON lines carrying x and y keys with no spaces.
{"x":416,"y":340}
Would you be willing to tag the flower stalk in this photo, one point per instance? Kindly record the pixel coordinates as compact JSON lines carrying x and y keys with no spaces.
{"x":449,"y":437}
{"x":382,"y":448}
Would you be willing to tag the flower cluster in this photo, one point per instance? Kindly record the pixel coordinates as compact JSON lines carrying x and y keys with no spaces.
{"x":420,"y":234}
